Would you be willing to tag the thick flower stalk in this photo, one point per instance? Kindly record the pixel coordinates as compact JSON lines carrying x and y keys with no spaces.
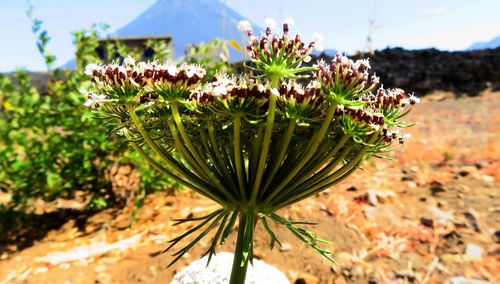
{"x":253,"y":143}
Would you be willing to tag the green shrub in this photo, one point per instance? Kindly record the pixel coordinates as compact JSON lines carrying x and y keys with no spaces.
{"x":52,"y":148}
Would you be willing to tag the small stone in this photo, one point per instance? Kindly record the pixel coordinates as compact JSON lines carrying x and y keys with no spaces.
{"x":466,"y":170}
{"x":473,"y":251}
{"x":407,"y":274}
{"x":40,"y":270}
{"x":487,"y":178}
{"x":336,"y":268}
{"x":463,"y":280}
{"x":153,"y":270}
{"x":427,"y":221}
{"x":372,"y":197}
{"x":304,"y":278}
{"x":64,"y":265}
{"x":285,"y":247}
{"x":356,"y":272}
{"x":139,"y":277}
{"x":480,"y":165}
{"x":343,"y":258}
{"x":100,"y":268}
{"x":471,"y":216}
{"x":408,"y":178}
{"x":436,"y":187}
{"x":411,"y":184}
{"x":496,"y":235}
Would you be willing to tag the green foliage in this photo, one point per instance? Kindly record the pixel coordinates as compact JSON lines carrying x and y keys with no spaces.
{"x":213,"y":56}
{"x":50,"y":146}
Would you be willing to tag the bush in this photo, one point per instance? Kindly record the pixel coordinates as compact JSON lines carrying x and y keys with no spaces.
{"x":52,"y":148}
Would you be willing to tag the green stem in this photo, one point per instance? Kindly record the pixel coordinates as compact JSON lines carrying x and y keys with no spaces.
{"x":337,"y":176}
{"x":238,"y":159}
{"x":278,"y":161}
{"x":228,"y":183}
{"x":307,"y":176}
{"x":198,"y":161}
{"x":305,"y":187}
{"x":308,"y":154}
{"x":169,"y":160}
{"x":159,"y":167}
{"x":266,"y":143}
{"x":222,"y":157}
{"x":242,"y":251}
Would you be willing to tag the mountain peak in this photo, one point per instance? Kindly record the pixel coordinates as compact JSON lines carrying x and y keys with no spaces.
{"x":493,"y":43}
{"x":188,"y":22}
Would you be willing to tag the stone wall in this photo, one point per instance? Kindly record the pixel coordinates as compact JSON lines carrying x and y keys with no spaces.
{"x":427,"y":70}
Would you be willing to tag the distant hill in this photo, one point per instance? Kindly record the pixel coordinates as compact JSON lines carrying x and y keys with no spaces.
{"x":188,"y":22}
{"x":494,"y":43}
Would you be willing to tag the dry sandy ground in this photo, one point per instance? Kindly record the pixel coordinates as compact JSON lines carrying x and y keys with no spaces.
{"x":430,"y":216}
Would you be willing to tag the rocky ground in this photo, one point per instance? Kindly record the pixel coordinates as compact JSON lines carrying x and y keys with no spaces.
{"x":432,"y":216}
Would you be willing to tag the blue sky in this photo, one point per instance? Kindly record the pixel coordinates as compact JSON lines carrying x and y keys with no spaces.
{"x":412,"y":24}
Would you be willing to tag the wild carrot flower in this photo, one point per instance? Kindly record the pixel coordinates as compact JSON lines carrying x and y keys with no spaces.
{"x":253,"y":144}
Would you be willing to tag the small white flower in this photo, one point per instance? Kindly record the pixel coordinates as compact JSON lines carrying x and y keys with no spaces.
{"x":129,"y":61}
{"x":90,"y":68}
{"x":364,"y":64}
{"x":261,"y":88}
{"x":275,"y":92}
{"x":374,"y":127}
{"x":142,"y":65}
{"x":270,"y":23}
{"x":318,"y":41}
{"x":413,"y":99}
{"x":289,"y":22}
{"x":307,"y":59}
{"x":219,"y":90}
{"x":244,"y":26}
{"x":172,"y":70}
{"x":92,"y":99}
{"x":190,"y":71}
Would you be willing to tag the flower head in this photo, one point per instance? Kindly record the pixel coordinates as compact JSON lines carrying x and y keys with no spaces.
{"x":287,"y":23}
{"x":277,"y":55}
{"x":128,"y":80}
{"x":317,"y":41}
{"x":345,"y":79}
{"x":270,"y":25}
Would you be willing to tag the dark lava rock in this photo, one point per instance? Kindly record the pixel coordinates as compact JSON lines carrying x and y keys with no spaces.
{"x":427,"y":70}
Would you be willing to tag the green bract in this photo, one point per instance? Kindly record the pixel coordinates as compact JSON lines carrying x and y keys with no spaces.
{"x":253,"y":144}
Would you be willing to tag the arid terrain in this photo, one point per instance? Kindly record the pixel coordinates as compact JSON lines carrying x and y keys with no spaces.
{"x":432,"y":215}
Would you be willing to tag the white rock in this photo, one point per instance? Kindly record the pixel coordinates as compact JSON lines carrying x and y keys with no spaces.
{"x":219,"y":272}
{"x":463,"y":280}
{"x":473,"y":251}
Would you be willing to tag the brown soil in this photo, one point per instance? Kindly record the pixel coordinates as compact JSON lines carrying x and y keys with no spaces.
{"x":420,"y":219}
